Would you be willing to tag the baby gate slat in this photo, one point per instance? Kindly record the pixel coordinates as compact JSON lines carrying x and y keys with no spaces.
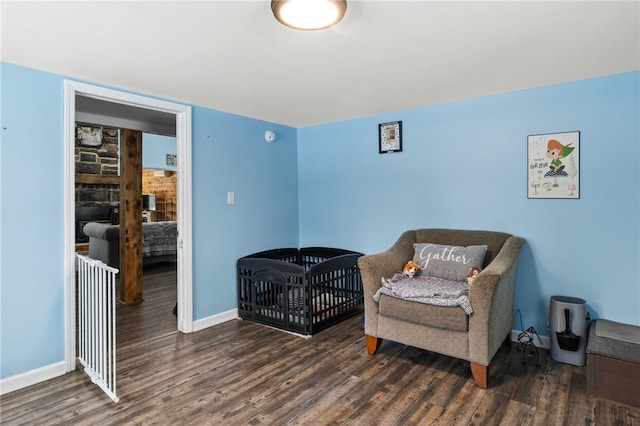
{"x":97,"y":326}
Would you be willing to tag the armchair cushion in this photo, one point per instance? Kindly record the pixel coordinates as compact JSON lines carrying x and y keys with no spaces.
{"x":448,"y":262}
{"x":442,"y":317}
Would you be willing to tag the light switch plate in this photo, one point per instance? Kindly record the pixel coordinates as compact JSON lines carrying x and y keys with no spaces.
{"x":231,"y":197}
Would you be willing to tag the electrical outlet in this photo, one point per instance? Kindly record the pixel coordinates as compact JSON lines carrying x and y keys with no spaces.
{"x":231,"y":197}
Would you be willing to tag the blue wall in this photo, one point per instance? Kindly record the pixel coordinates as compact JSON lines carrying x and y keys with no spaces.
{"x":229,"y":154}
{"x":155,"y":149}
{"x":464,"y":165}
{"x":31,"y":231}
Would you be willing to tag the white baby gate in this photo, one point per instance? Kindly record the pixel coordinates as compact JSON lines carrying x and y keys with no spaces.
{"x":97,"y":322}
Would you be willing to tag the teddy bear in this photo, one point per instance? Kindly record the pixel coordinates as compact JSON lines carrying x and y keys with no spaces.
{"x":471,"y":275}
{"x":410,"y":269}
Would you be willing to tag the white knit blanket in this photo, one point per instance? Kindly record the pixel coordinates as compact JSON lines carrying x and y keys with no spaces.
{"x":429,"y":290}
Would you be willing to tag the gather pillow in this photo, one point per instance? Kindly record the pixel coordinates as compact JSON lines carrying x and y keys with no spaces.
{"x":448,"y":262}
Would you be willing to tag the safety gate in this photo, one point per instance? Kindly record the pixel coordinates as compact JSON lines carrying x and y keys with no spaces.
{"x":97,"y":322}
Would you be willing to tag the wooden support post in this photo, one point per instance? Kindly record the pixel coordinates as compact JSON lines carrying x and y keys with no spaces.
{"x":131,"y":217}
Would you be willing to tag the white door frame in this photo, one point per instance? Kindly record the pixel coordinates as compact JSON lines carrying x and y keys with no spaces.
{"x":183,"y":139}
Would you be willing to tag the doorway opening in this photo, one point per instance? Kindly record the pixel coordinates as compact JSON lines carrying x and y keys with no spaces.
{"x":119,"y":109}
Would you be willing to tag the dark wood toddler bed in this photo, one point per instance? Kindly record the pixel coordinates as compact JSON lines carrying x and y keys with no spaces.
{"x":300,"y":290}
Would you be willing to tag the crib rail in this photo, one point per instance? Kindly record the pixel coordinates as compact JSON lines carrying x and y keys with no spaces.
{"x":97,"y":322}
{"x":337,"y":286}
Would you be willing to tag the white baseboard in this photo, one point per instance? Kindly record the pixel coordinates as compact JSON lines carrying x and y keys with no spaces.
{"x":32,"y":377}
{"x":546,"y":342}
{"x":216,"y":319}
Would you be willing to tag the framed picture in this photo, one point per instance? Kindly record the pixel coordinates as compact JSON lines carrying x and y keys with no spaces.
{"x":89,"y":136}
{"x":390,"y":137}
{"x":553,"y":165}
{"x":172,"y":160}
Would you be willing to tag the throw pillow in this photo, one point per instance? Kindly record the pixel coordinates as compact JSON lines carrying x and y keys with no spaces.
{"x":448,"y":262}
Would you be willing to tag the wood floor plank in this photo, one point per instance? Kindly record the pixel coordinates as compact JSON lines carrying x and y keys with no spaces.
{"x":552,"y":403}
{"x":492,"y":408}
{"x":242,"y":373}
{"x":578,"y":411}
{"x":517,"y":413}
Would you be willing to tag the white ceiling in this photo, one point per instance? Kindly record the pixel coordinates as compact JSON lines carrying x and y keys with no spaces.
{"x":384,"y":56}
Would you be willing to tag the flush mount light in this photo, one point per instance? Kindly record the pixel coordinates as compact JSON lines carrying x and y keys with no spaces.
{"x":309,"y":14}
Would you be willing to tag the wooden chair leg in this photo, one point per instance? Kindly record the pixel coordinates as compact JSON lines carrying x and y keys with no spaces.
{"x":373,"y":343}
{"x":480,"y":375}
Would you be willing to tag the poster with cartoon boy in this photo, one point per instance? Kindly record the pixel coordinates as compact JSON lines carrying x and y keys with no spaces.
{"x":553,"y":165}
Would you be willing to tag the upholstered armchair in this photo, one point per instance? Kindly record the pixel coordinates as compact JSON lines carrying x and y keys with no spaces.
{"x":443,"y":329}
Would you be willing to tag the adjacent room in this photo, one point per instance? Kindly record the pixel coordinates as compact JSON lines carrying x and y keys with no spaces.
{"x":389,"y":144}
{"x":98,"y":187}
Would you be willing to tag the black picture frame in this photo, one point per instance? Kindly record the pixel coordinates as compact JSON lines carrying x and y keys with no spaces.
{"x":390,"y":137}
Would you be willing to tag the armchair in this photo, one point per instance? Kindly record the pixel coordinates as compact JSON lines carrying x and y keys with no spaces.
{"x":446,"y":330}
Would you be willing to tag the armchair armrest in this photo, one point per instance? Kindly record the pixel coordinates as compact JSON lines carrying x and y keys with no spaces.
{"x":492,"y":297}
{"x":374,"y":267}
{"x":103,"y":231}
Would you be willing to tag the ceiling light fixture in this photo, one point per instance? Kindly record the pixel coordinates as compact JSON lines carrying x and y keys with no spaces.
{"x":309,"y":14}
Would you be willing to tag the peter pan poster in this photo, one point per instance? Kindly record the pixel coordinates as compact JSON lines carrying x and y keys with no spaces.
{"x":554,"y":165}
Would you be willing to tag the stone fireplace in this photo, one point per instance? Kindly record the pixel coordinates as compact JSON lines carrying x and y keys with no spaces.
{"x":97,"y":187}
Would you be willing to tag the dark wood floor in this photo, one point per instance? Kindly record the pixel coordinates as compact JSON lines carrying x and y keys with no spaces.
{"x":240,"y":373}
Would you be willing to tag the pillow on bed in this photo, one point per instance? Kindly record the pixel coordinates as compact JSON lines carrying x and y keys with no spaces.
{"x":448,"y":262}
